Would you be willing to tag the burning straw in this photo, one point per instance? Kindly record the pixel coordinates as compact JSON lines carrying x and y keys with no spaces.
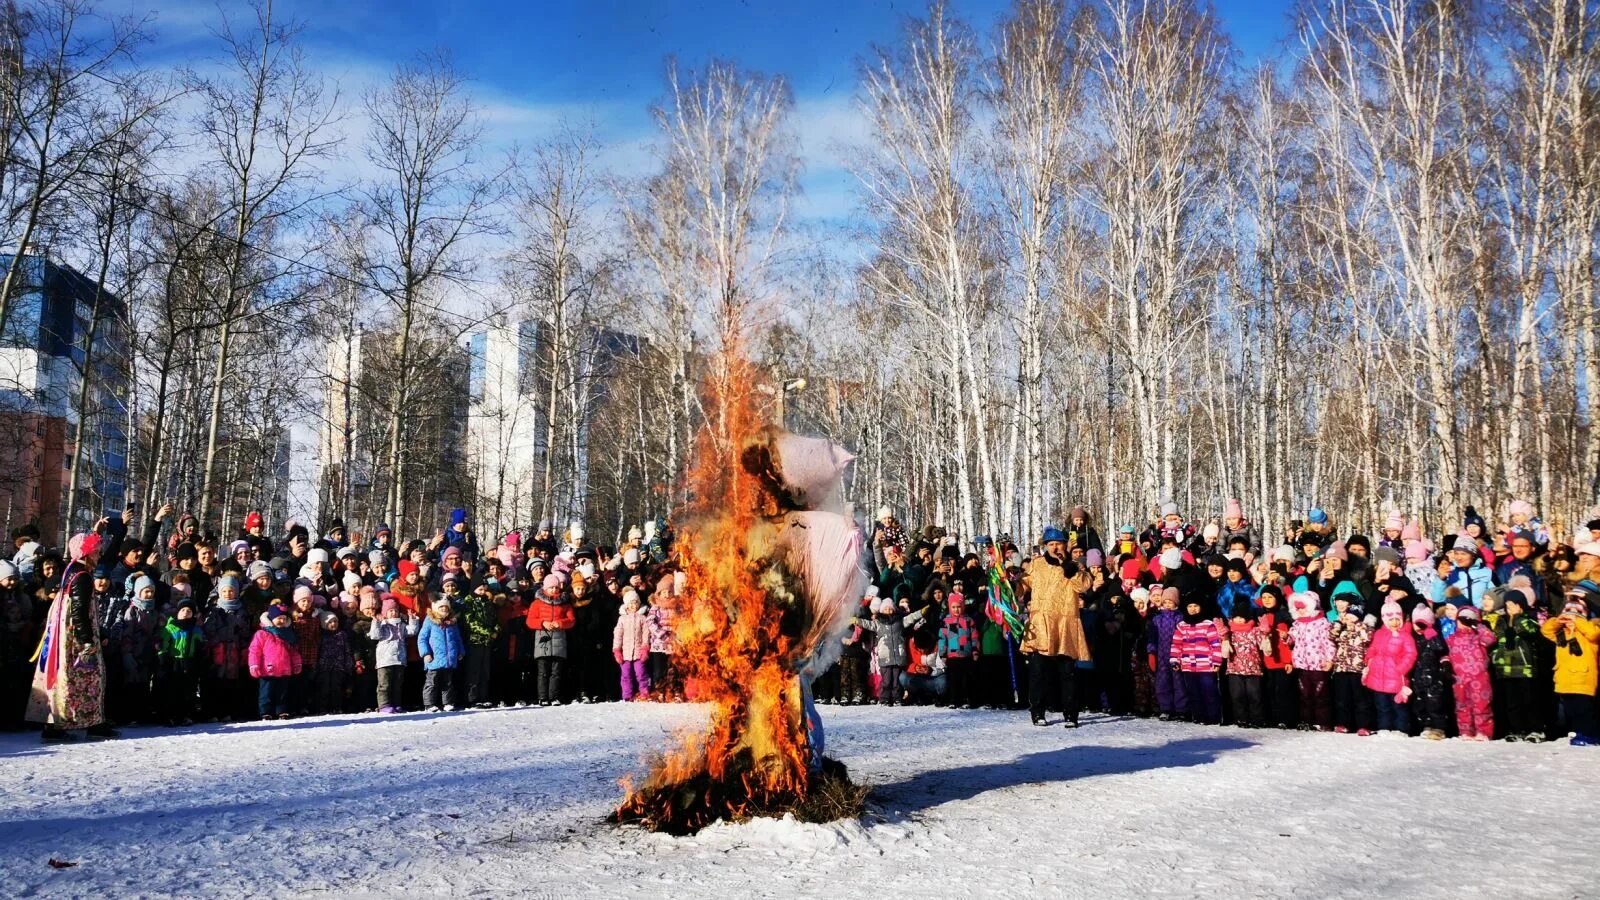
{"x":770,"y":574}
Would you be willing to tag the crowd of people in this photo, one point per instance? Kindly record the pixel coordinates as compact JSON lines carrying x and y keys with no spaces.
{"x":1488,"y":633}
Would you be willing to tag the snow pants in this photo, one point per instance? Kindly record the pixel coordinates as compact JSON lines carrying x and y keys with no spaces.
{"x":1170,"y":697}
{"x":1316,"y":707}
{"x":1205,"y":704}
{"x":958,"y":680}
{"x":1475,"y":706}
{"x":1518,"y":703}
{"x":1244,"y":692}
{"x":1578,"y":715}
{"x":889,"y":684}
{"x":852,"y":679}
{"x":391,"y":687}
{"x":1352,"y":702}
{"x":550,"y":670}
{"x":1390,"y":713}
{"x":635,"y":681}
{"x":1280,"y":695}
{"x":476,"y":671}
{"x":273,"y":696}
{"x":439,"y":688}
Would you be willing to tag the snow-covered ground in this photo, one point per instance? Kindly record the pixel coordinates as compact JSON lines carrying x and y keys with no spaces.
{"x":966,"y":804}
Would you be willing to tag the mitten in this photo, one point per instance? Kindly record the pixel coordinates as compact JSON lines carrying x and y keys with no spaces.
{"x":618,"y":655}
{"x":1152,"y":662}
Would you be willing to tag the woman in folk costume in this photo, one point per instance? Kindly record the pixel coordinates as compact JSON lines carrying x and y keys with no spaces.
{"x":1054,"y":640}
{"x":68,"y":680}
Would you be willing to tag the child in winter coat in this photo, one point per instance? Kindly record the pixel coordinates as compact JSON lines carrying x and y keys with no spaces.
{"x":958,"y":647}
{"x":889,"y":625}
{"x":389,"y":634}
{"x":226,"y":689}
{"x":550,"y":618}
{"x":1197,"y":654}
{"x":1577,"y":640}
{"x":1391,"y":654}
{"x":1242,"y":648}
{"x":137,"y":639}
{"x":1352,"y":707}
{"x":442,"y":650}
{"x":853,"y":658}
{"x":1170,"y":696}
{"x":336,"y":665}
{"x":1430,"y":677}
{"x":1469,"y":660}
{"x":1311,"y":637}
{"x":630,"y":646}
{"x":307,"y":624}
{"x":1513,"y":660}
{"x":275,"y":662}
{"x":363,"y":654}
{"x":1280,"y":693}
{"x":179,"y":657}
{"x":663,"y":615}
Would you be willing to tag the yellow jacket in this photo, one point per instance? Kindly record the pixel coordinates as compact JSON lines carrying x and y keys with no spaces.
{"x":1575,"y":673}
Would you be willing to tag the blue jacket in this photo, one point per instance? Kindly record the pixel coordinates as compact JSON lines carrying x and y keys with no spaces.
{"x":1473,"y":582}
{"x":442,"y":642}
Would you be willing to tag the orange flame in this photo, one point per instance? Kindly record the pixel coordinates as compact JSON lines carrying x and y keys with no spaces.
{"x":733,"y":651}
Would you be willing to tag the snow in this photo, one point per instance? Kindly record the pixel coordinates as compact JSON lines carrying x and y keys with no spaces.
{"x":510,"y":802}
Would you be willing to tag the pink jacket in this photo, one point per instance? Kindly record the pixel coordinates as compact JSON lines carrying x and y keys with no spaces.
{"x":1312,"y":639}
{"x":632,"y":636}
{"x":1390,"y":657}
{"x":272,"y":656}
{"x":1469,"y":653}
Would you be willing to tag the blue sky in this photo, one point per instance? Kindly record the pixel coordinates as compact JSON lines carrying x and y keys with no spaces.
{"x":536,"y":64}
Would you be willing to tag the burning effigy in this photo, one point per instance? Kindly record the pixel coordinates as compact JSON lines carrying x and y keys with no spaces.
{"x":770,"y":563}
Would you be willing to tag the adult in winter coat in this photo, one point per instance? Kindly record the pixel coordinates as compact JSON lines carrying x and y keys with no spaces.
{"x":1469,"y":661}
{"x":1577,"y":641}
{"x":68,"y":682}
{"x":1430,"y":677}
{"x":550,"y":619}
{"x":1054,"y":640}
{"x":1470,"y":578}
{"x":1390,"y":658}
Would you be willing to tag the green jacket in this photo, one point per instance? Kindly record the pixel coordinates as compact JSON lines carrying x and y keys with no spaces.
{"x":480,"y":622}
{"x":1513,"y":654}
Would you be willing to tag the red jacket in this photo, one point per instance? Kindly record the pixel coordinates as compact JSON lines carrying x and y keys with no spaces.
{"x":541,"y":611}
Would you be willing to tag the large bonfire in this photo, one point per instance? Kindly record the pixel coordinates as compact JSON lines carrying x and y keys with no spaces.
{"x":770,"y":570}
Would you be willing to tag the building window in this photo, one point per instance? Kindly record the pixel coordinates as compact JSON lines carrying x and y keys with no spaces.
{"x":36,"y":493}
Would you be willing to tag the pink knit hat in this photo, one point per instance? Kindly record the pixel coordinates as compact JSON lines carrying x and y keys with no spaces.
{"x":1233,"y":510}
{"x":1395,"y":522}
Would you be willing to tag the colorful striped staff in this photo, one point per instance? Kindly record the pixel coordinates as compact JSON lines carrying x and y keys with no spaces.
{"x":1002,"y":601}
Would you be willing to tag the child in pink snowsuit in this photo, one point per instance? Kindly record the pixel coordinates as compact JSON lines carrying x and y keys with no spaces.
{"x":1469,"y":657}
{"x":630,"y":645}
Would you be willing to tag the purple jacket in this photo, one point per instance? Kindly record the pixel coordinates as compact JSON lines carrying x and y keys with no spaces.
{"x":272,"y":656}
{"x":1166,"y":624}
